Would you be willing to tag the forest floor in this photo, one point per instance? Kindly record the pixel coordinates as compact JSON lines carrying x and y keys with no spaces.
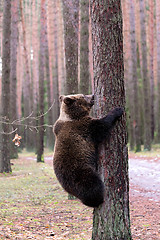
{"x":34,"y":206}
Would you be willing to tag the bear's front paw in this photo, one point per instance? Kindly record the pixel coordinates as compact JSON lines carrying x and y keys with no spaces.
{"x":118,"y":111}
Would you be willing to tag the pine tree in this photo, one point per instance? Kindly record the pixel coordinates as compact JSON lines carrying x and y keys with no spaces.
{"x":70,"y":18}
{"x":84,"y":48}
{"x":5,"y":165}
{"x":111,"y":219}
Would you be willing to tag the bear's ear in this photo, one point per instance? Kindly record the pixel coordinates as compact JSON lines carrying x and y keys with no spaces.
{"x":69,"y":101}
{"x":61,"y":98}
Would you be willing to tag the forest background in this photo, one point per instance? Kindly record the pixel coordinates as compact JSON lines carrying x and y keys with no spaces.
{"x":51,"y":55}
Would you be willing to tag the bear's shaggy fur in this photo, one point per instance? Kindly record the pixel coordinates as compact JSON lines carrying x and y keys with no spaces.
{"x":77,"y":138}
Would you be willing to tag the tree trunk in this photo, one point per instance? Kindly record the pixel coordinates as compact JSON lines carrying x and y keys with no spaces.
{"x":26,"y":82}
{"x":151,"y":63}
{"x":111,"y":220}
{"x":128,"y":71}
{"x":134,"y":80}
{"x":50,"y":135}
{"x":146,"y":85}
{"x":84,"y":47}
{"x":55,"y":68}
{"x":5,"y":165}
{"x":13,"y":70}
{"x":70,"y":17}
{"x":43,"y":38}
{"x":61,"y":53}
{"x":158,"y":68}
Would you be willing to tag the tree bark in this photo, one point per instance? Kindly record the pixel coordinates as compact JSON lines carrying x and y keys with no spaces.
{"x":43,"y":37}
{"x":111,"y":220}
{"x":5,"y":165}
{"x":84,"y":47}
{"x":158,"y":68}
{"x":70,"y":17}
{"x":134,"y":81}
{"x":151,"y":63}
{"x":26,"y":82}
{"x":13,"y":70}
{"x":146,"y":85}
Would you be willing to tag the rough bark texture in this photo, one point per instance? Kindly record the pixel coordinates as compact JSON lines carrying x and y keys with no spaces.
{"x":146,"y":89}
{"x":111,"y":220}
{"x":5,"y":165}
{"x":70,"y":17}
{"x":84,"y":48}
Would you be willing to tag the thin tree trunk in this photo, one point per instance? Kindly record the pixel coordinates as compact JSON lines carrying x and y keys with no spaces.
{"x":5,"y":165}
{"x":146,"y":85}
{"x":84,"y":47}
{"x":26,"y":82}
{"x":43,"y":32}
{"x":70,"y":17}
{"x":128,"y":71}
{"x":34,"y":28}
{"x":111,"y":219}
{"x":55,"y":68}
{"x":158,"y":66}
{"x":151,"y":64}
{"x":13,"y":70}
{"x":61,"y":53}
{"x":134,"y":80}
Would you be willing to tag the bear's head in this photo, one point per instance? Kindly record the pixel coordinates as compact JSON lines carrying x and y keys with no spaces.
{"x":75,"y":106}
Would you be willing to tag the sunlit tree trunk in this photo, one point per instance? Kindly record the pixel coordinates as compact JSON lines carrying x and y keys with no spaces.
{"x":84,"y":47}
{"x":5,"y":165}
{"x":145,"y":77}
{"x":111,"y":219}
{"x":43,"y":36}
{"x":70,"y":17}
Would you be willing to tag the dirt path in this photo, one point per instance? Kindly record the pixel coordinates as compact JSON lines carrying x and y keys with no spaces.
{"x":144,"y":174}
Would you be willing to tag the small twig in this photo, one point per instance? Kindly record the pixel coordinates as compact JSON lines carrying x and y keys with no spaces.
{"x":9,"y":133}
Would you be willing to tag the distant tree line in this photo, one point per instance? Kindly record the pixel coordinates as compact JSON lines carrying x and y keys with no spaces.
{"x":142,"y":66}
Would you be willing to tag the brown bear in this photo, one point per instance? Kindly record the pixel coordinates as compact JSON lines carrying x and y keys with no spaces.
{"x":75,"y":154}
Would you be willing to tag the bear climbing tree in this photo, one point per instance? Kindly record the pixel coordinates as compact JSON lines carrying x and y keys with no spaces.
{"x":111,"y":220}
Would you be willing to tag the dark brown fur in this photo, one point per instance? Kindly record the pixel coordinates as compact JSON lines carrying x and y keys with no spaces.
{"x":77,"y":138}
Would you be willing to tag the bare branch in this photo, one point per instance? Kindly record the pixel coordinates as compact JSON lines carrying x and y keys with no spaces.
{"x":19,"y":122}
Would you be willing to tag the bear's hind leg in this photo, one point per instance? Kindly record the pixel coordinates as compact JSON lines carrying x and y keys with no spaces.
{"x":92,"y":190}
